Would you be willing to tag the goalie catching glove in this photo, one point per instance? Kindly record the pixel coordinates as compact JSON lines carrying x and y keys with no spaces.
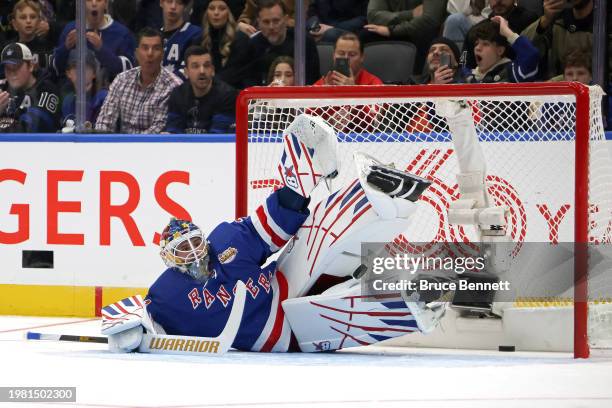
{"x":310,"y":154}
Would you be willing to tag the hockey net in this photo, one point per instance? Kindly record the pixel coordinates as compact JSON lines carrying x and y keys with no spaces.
{"x":546,"y":156}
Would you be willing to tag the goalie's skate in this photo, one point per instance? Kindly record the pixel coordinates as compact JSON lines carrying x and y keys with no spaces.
{"x":393,"y":193}
{"x":310,"y":154}
{"x":397,"y":183}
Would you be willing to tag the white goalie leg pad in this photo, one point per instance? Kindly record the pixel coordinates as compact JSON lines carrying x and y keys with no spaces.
{"x":458,"y":115}
{"x":341,"y":318}
{"x":473,"y":207}
{"x":310,"y":153}
{"x":329,"y":242}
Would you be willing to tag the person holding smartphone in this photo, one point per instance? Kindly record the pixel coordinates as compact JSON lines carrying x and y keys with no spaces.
{"x":348,"y":64}
{"x":442,"y":63}
{"x":348,"y":70}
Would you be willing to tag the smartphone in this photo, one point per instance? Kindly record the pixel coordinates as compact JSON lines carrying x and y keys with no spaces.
{"x":445,"y":59}
{"x":341,"y":65}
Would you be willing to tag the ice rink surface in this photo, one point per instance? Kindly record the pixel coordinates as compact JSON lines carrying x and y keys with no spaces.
{"x":365,"y":377}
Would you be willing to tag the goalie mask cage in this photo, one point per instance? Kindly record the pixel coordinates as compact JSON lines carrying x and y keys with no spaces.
{"x":544,"y":144}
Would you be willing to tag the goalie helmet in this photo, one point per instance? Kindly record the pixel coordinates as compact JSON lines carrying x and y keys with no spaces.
{"x":184,"y":246}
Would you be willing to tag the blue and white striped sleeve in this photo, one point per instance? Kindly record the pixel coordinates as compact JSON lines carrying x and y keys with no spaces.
{"x":276,"y":224}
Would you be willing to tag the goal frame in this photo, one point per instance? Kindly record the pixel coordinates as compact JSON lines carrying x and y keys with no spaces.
{"x":582,"y":138}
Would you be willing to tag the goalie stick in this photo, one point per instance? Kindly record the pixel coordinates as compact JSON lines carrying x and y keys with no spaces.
{"x":171,"y":344}
{"x":66,"y":337}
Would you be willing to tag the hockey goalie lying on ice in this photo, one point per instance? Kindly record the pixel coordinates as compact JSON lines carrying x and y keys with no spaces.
{"x":289,"y":305}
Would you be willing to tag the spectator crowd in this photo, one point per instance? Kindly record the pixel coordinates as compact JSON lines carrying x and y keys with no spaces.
{"x":177,"y":66}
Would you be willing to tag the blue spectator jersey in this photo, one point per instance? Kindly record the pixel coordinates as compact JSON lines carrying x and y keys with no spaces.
{"x":214,"y":112}
{"x":115,"y":56}
{"x":31,"y":110}
{"x":175,"y":44}
{"x":238,"y":251}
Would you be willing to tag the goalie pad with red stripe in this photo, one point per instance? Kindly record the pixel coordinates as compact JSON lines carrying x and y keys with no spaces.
{"x":342,"y":317}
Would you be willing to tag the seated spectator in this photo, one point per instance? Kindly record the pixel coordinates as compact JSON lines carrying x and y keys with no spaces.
{"x":518,"y":19}
{"x":137,"y":101}
{"x":178,"y":34}
{"x":203,"y":104}
{"x":558,"y":116}
{"x":27,"y":21}
{"x":348,"y":46}
{"x":437,"y":73}
{"x":577,"y":67}
{"x":398,"y":20}
{"x":492,"y":38}
{"x":281,"y":72}
{"x":111,"y":41}
{"x":274,"y":40}
{"x":27,"y":104}
{"x":350,"y":118}
{"x":200,"y":6}
{"x":47,"y":26}
{"x":561,"y":29}
{"x":335,"y":17}
{"x":228,"y":46}
{"x":248,"y":19}
{"x":269,"y":117}
{"x":94,"y":97}
{"x":421,"y":117}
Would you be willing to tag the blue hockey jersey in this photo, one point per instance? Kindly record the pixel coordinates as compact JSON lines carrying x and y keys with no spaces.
{"x":175,"y":44}
{"x":116,"y":54}
{"x":238,"y":251}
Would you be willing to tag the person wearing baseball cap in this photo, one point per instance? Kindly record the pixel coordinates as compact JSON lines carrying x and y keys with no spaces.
{"x":26,"y":104}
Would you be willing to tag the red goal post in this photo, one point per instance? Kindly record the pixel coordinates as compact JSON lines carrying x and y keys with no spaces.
{"x":518,"y":123}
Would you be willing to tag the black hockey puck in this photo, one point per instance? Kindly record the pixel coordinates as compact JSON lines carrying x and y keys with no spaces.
{"x":506,"y":348}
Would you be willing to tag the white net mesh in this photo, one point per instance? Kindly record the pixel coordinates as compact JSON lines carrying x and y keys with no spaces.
{"x":528,"y":140}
